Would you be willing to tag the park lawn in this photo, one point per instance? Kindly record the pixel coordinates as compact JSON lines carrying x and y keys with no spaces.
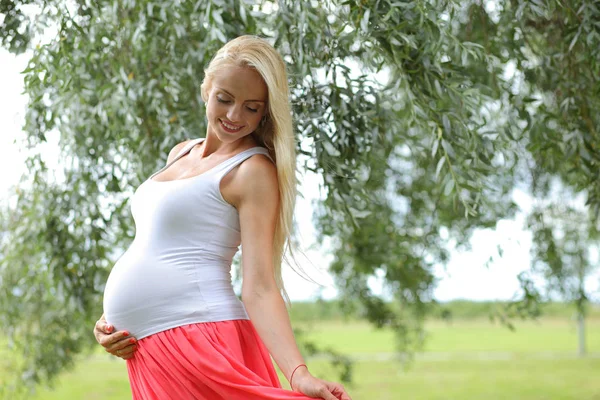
{"x":106,"y":378}
{"x":100,"y":377}
{"x":536,"y":362}
{"x":547,"y":335}
{"x":473,"y":380}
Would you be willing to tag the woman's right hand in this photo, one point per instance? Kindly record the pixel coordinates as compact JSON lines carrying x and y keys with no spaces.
{"x":118,"y":343}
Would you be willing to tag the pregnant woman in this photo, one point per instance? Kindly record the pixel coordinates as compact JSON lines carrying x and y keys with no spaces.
{"x":169,"y":305}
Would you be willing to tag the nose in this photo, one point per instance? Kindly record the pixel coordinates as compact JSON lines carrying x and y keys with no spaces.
{"x":234,"y":113}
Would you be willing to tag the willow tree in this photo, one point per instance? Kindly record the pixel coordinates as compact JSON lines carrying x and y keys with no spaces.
{"x":414,"y":123}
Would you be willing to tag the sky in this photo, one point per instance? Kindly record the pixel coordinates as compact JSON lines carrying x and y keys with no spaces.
{"x":465,"y":277}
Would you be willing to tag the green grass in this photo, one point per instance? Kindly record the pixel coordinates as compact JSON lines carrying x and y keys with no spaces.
{"x":103,"y":378}
{"x":536,"y":362}
{"x":456,"y":309}
{"x":554,"y":335}
{"x":98,"y":378}
{"x":510,"y":380}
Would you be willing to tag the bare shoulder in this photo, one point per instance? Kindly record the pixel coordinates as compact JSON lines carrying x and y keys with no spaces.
{"x":258,"y":172}
{"x":176,"y":149}
{"x":255,"y":181}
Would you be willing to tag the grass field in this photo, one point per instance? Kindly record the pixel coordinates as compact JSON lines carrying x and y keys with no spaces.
{"x":548,"y":335}
{"x":472,"y":359}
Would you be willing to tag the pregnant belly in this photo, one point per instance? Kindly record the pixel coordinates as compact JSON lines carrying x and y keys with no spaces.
{"x":142,"y":290}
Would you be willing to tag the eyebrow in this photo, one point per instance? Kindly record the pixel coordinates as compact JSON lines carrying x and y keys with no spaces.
{"x":253,"y":101}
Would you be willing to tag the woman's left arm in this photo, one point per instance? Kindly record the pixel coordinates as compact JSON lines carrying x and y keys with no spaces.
{"x":258,"y":208}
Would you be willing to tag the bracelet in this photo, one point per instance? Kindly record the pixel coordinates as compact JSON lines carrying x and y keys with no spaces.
{"x":292,"y":376}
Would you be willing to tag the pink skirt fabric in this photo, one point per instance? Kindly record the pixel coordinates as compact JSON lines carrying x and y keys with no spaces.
{"x":208,"y":361}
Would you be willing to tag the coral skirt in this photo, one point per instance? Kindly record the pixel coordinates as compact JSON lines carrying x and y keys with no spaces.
{"x":209,"y":361}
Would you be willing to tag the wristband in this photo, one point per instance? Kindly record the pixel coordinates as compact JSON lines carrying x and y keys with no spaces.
{"x":292,"y":376}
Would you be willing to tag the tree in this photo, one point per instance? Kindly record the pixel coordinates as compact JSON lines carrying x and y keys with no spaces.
{"x":562,"y":140}
{"x":438,"y":146}
{"x":564,"y":234}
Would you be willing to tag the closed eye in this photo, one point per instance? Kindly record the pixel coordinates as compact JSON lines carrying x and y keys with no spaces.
{"x":229,"y":101}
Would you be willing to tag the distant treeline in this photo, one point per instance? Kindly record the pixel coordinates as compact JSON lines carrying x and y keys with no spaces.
{"x":458,"y":309}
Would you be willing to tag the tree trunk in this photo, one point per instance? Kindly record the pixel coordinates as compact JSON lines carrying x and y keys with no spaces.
{"x":581,"y":333}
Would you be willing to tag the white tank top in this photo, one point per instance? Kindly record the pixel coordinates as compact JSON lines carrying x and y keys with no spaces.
{"x":177,"y":270}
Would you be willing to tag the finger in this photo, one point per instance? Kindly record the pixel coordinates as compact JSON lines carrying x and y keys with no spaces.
{"x":97,"y":329}
{"x":344,"y":395}
{"x":108,"y":339}
{"x":326,"y":394}
{"x":123,"y":351}
{"x":340,"y":392}
{"x":100,"y":334}
{"x":119,"y":353}
{"x":119,"y":346}
{"x":113,"y":338}
{"x":126,"y":352}
{"x":337,"y":389}
{"x":121,"y":343}
{"x":104,"y":326}
{"x":129,"y":349}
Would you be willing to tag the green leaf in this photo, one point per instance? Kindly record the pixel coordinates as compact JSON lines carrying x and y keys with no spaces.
{"x":364,"y":23}
{"x":438,"y":168}
{"x":448,"y":148}
{"x":449,"y":186}
{"x":434,"y":149}
{"x":446,"y":123}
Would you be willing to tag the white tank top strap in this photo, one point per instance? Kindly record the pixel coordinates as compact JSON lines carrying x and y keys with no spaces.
{"x":188,"y":147}
{"x":226,"y":166}
{"x":181,"y":153}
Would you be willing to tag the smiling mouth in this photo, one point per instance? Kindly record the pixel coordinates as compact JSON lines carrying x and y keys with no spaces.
{"x":229,"y":127}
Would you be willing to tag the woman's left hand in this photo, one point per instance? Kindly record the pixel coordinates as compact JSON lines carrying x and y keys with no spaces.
{"x":311,"y":386}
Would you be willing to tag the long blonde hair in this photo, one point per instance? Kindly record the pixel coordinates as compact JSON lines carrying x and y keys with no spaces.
{"x":275,"y":134}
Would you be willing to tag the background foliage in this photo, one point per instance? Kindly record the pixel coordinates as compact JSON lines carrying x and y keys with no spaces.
{"x":423,"y":117}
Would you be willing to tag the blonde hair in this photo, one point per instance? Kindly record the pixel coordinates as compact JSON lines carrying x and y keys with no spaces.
{"x":275,"y":134}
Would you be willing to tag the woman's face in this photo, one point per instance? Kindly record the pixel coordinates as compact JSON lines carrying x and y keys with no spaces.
{"x":237,"y":100}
